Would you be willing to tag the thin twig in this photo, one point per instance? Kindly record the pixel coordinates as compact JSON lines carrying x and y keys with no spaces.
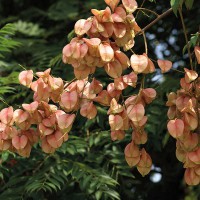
{"x":2,"y":100}
{"x":155,"y":21}
{"x":145,"y":42}
{"x":40,"y":165}
{"x":186,"y":38}
{"x":132,"y":51}
{"x":140,"y":7}
{"x":177,"y":70}
{"x":145,"y":9}
{"x":27,"y":70}
{"x":70,"y":83}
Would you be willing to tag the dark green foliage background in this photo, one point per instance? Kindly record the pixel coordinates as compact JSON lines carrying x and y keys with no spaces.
{"x":89,"y":165}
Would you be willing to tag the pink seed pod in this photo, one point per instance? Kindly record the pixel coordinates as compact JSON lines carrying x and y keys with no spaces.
{"x":140,"y":123}
{"x":9,"y":132}
{"x":186,"y":86}
{"x":190,"y":141}
{"x":102,"y":15}
{"x":171,"y":113}
{"x":82,"y":74}
{"x":191,"y":121}
{"x":46,"y":147}
{"x":108,"y":30}
{"x":25,"y":152}
{"x":88,"y":110}
{"x":145,"y":163}
{"x":112,"y":3}
{"x":119,"y":15}
{"x":116,"y":122}
{"x":113,"y":92}
{"x":113,"y":69}
{"x":123,"y":59}
{"x":6,"y":115}
{"x":20,"y":116}
{"x":171,"y":99}
{"x":55,"y":140}
{"x":120,"y":84}
{"x":194,"y":156}
{"x":69,"y":100}
{"x":151,"y":67}
{"x":49,"y":122}
{"x":117,"y":135}
{"x":82,"y":26}
{"x":106,"y":52}
{"x":55,"y":83}
{"x":126,"y":121}
{"x":103,"y":98}
{"x":44,"y":75}
{"x":130,"y":79}
{"x":26,"y":77}
{"x":42,"y":93}
{"x":45,"y":130}
{"x":119,"y":30}
{"x":30,"y":108}
{"x":130,"y":5}
{"x":148,"y":94}
{"x":165,"y":65}
{"x":4,"y":144}
{"x":32,"y":135}
{"x":139,"y":137}
{"x":175,"y":128}
{"x":197,"y":170}
{"x":95,"y":87}
{"x":132,"y":154}
{"x":65,"y":122}
{"x":190,"y":75}
{"x":139,"y":63}
{"x":19,"y":142}
{"x":135,"y":112}
{"x":115,"y":108}
{"x":191,"y":178}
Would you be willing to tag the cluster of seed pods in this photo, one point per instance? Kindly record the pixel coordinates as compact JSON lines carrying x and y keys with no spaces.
{"x":131,"y":115}
{"x":105,"y":33}
{"x":21,"y":128}
{"x":184,"y":123}
{"x":98,"y":42}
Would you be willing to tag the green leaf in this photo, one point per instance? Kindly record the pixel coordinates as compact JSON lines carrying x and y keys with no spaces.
{"x":98,"y":194}
{"x":176,"y":4}
{"x":189,"y":4}
{"x":193,"y":39}
{"x":85,"y":182}
{"x":113,"y":194}
{"x":192,"y":42}
{"x":4,"y":156}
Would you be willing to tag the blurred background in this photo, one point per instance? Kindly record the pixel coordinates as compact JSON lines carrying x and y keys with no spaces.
{"x":90,"y":165}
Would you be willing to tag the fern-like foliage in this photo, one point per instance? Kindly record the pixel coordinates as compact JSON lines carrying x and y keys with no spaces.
{"x":6,"y":41}
{"x":81,"y":166}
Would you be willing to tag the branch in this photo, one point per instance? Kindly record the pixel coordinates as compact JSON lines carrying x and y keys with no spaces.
{"x":155,"y":21}
{"x":186,"y":38}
